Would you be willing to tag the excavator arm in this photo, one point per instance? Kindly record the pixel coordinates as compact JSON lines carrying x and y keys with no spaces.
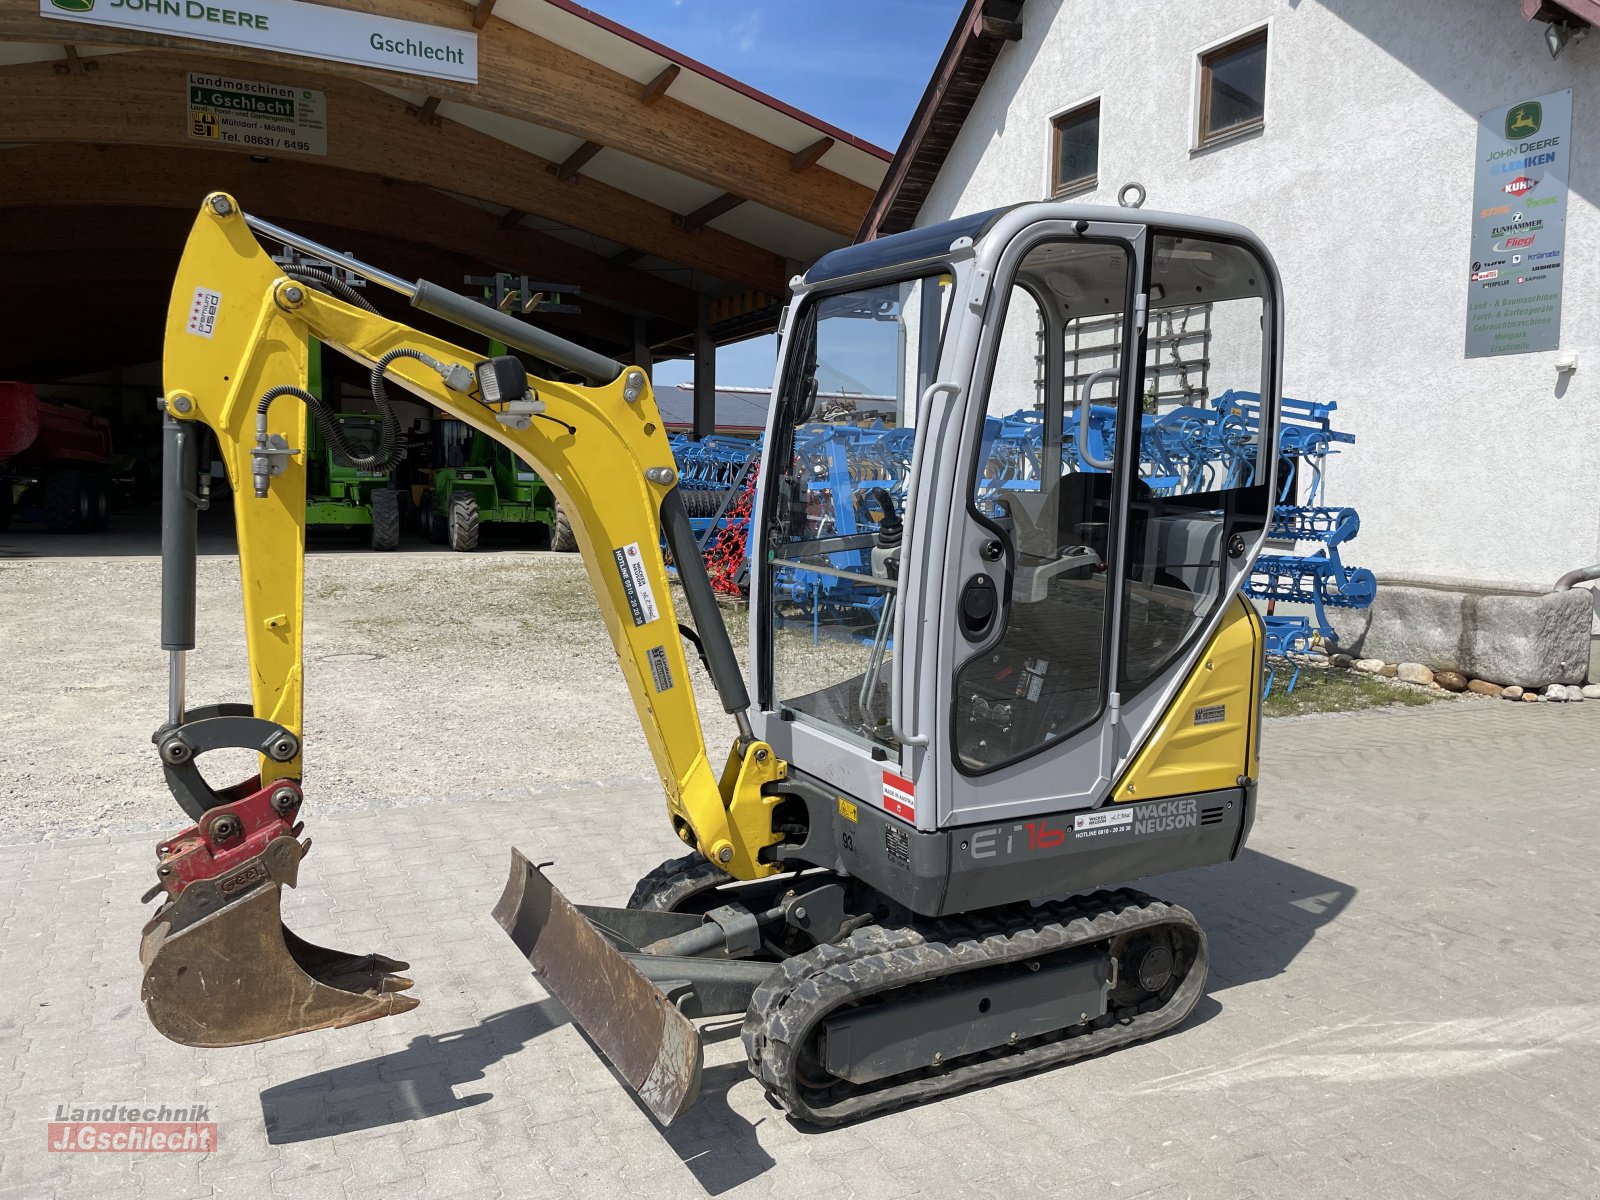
{"x":220,"y":969}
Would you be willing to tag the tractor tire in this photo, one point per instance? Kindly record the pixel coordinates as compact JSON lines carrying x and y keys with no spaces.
{"x":463,"y":522}
{"x":68,"y":503}
{"x":431,"y":522}
{"x":561,"y":536}
{"x":385,"y":519}
{"x":99,"y":503}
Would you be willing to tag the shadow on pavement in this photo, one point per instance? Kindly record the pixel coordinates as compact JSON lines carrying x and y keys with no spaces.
{"x":416,"y":1082}
{"x":1259,"y":913}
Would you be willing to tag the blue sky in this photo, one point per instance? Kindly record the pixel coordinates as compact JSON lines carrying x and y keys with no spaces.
{"x":861,"y":65}
{"x":858,"y":64}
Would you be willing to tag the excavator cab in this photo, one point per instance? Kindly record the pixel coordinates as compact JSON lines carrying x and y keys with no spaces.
{"x":998,"y":657}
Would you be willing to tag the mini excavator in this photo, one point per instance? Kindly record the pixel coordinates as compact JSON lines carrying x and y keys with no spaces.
{"x":999,"y":663}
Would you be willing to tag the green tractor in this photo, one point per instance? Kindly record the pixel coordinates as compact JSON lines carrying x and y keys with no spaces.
{"x":347,"y":496}
{"x":477,"y":481}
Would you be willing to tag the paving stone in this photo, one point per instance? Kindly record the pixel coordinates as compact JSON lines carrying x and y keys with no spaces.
{"x":1367,"y":1032}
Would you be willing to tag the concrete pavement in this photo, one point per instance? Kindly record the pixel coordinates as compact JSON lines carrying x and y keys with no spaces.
{"x":1403,"y":1003}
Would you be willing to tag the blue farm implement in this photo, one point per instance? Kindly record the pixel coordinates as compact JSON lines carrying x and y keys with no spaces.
{"x":854,"y":471}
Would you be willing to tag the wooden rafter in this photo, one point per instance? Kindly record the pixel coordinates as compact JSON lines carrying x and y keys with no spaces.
{"x":482,"y":13}
{"x":707,"y":212}
{"x":567,"y":170}
{"x":530,"y":78}
{"x":657,"y":87}
{"x":801,"y":159}
{"x":74,"y":64}
{"x":428,"y":111}
{"x":624,"y":259}
{"x":141,"y":101}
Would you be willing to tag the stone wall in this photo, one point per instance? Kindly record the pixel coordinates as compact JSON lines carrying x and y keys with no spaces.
{"x":1527,"y":640}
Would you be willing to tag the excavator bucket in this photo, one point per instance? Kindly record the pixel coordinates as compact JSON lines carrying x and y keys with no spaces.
{"x":221,"y":969}
{"x":650,"y":1043}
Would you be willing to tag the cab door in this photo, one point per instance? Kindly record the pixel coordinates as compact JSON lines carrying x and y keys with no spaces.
{"x":1099,"y":526}
{"x":1035,"y":536}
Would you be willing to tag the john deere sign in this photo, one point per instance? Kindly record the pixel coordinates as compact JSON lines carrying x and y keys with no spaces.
{"x":1519,"y":227}
{"x":290,"y":27}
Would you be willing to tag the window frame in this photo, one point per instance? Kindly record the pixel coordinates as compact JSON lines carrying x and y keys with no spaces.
{"x":1055,"y":188}
{"x":1205,"y":59}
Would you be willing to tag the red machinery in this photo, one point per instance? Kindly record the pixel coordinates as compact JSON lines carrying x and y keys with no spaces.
{"x":54,"y":461}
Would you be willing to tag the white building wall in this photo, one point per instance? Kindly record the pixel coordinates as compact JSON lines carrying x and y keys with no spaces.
{"x":1361,"y":183}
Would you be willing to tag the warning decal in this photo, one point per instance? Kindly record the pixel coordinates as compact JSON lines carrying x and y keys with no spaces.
{"x":660,"y":673}
{"x":635,"y":583}
{"x":899,"y":796}
{"x":203,"y":312}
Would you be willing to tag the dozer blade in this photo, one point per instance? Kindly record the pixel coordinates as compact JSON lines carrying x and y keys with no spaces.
{"x":650,"y":1043}
{"x":221,"y":969}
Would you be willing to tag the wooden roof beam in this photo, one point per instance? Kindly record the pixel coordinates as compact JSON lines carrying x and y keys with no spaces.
{"x":801,"y":159}
{"x":512,"y":218}
{"x":481,"y":13}
{"x":141,"y":99}
{"x":532,"y":79}
{"x":428,"y":112}
{"x":75,"y":64}
{"x":624,"y":259}
{"x":567,"y":170}
{"x":708,"y":212}
{"x":657,"y":87}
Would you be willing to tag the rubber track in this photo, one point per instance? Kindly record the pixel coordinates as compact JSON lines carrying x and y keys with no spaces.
{"x":674,"y":881}
{"x":786,"y":1009}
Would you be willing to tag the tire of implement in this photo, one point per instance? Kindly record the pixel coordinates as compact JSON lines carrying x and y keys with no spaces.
{"x":786,"y":1012}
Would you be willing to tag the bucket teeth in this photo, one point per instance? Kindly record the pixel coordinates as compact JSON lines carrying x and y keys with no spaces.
{"x":221,"y":968}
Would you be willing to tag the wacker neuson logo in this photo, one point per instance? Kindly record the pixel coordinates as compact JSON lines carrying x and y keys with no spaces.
{"x":291,"y":27}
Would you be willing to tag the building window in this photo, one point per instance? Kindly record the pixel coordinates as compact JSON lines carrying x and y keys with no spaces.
{"x":1233,"y":87}
{"x":1075,"y":157}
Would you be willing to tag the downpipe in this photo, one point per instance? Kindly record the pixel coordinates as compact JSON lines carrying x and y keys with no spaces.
{"x":1573,"y":578}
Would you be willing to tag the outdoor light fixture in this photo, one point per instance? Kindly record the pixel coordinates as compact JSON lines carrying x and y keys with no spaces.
{"x":1558,"y":33}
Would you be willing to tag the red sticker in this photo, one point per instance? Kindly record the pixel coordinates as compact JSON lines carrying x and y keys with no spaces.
{"x":899,"y":796}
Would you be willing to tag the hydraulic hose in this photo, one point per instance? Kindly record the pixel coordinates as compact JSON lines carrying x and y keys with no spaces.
{"x":327,"y":281}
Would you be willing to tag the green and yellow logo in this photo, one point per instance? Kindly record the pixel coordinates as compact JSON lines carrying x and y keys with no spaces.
{"x":1522,"y":120}
{"x":76,"y":6}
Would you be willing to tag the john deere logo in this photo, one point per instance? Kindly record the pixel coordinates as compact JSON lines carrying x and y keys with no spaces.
{"x":1522,"y":121}
{"x":74,"y":5}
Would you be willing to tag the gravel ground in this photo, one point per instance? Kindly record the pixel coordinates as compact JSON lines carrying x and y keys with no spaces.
{"x":427,"y":674}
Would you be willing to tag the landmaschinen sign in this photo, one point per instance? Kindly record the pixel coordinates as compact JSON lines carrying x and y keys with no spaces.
{"x":262,"y":116}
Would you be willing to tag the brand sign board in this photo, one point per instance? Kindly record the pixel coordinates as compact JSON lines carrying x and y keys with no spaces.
{"x":290,"y":27}
{"x":1519,"y":227}
{"x":262,"y":116}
